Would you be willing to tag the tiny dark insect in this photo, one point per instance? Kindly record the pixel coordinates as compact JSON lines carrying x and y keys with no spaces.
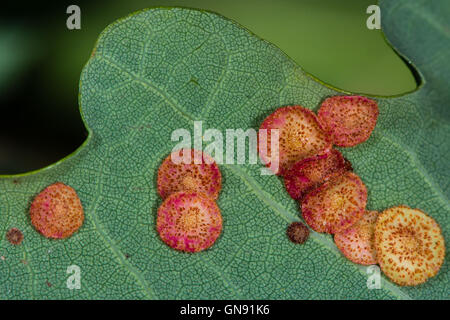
{"x":127,"y":256}
{"x":48,"y":284}
{"x":14,"y":236}
{"x":297,"y":232}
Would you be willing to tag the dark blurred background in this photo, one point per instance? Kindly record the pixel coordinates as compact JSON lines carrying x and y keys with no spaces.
{"x":41,"y":60}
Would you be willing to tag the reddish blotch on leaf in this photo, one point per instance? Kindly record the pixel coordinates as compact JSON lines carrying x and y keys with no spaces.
{"x":300,"y":137}
{"x":357,"y":242}
{"x":189,"y":221}
{"x":186,"y":175}
{"x":310,"y":173}
{"x":336,"y":204}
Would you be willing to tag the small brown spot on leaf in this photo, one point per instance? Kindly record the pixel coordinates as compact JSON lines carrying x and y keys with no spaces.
{"x":297,"y":232}
{"x":14,"y":236}
{"x":48,"y":284}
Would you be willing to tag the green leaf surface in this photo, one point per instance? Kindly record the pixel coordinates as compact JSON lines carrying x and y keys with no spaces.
{"x":160,"y":69}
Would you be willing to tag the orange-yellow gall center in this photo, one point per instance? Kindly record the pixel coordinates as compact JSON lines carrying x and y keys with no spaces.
{"x":190,"y":182}
{"x":337,"y":201}
{"x":410,"y":242}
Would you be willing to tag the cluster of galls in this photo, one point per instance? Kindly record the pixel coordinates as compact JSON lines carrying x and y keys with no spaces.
{"x":189,"y":219}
